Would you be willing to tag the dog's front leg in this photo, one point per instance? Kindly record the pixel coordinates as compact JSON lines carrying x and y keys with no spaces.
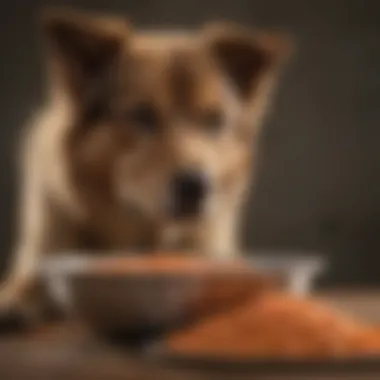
{"x":43,"y":228}
{"x":43,"y":231}
{"x":22,"y":294}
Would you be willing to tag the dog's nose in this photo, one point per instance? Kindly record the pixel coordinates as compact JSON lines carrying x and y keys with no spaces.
{"x":189,"y":188}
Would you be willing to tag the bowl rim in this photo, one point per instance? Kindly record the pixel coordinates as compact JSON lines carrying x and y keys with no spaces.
{"x":260,"y":262}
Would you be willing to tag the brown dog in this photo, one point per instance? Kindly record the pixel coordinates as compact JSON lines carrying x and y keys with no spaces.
{"x":146,"y":141}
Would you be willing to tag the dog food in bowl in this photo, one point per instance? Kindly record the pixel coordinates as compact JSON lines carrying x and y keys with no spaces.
{"x":169,"y":264}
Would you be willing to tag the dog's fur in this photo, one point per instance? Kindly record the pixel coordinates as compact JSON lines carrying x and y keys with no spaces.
{"x":96,"y":171}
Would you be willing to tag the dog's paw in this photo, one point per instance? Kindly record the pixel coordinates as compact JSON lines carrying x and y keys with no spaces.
{"x":17,"y":314}
{"x":14,"y":320}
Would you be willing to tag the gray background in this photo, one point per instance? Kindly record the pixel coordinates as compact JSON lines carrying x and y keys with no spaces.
{"x":318,"y":185}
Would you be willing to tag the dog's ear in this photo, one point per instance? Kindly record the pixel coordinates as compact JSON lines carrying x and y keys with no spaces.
{"x":82,"y":47}
{"x":246,"y":56}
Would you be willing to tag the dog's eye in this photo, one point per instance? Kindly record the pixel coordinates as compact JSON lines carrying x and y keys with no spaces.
{"x":211,"y":119}
{"x":145,"y":116}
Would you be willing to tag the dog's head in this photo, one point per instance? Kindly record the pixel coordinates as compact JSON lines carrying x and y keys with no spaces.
{"x":164,"y":122}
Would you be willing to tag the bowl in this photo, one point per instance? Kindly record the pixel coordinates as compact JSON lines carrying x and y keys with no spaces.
{"x":122,"y":296}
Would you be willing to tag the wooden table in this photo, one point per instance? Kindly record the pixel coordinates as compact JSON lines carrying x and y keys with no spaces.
{"x":68,"y":354}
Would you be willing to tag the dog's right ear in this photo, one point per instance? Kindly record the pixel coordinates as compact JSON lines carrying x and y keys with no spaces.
{"x":246,"y":56}
{"x":82,"y":47}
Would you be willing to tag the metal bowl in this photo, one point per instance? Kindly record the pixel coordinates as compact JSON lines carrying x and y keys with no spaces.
{"x":136,"y":303}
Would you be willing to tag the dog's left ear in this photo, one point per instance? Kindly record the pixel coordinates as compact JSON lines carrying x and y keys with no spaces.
{"x":82,"y":46}
{"x":246,"y":56}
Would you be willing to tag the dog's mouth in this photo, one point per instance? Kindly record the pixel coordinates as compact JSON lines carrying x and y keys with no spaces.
{"x":183,"y":209}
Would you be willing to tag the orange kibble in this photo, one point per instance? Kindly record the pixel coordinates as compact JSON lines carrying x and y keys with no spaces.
{"x":278,"y":325}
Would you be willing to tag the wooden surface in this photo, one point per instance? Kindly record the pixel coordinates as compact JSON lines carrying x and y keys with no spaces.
{"x":69,"y":354}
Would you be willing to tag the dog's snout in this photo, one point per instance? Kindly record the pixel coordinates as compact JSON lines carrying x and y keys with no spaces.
{"x":189,"y":189}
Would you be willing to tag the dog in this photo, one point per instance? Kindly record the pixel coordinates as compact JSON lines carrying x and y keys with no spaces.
{"x":146,"y":142}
